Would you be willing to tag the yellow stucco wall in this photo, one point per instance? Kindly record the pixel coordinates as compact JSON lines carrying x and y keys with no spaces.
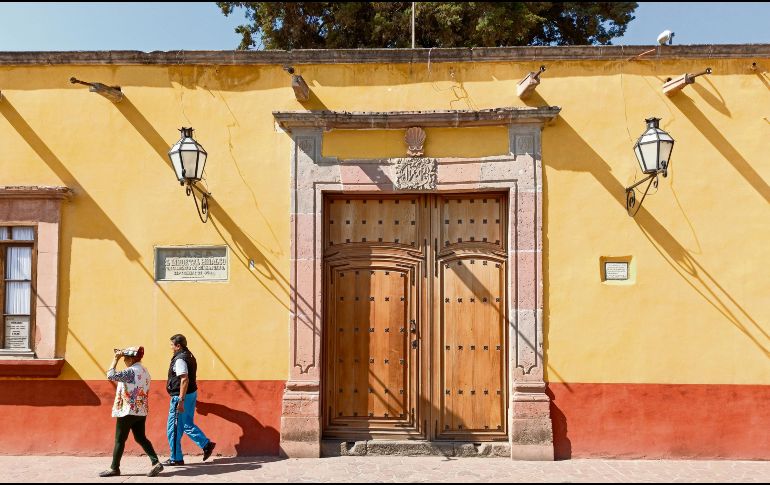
{"x":697,"y":313}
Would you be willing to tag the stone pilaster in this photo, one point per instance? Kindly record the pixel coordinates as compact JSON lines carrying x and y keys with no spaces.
{"x":301,"y":410}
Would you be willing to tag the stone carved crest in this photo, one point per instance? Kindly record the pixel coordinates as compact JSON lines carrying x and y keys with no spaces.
{"x":416,"y":173}
{"x":415,"y":139}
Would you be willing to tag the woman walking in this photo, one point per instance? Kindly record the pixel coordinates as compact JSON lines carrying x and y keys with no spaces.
{"x":130,"y":407}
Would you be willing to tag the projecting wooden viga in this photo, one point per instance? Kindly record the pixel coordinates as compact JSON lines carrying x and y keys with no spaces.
{"x":414,"y":335}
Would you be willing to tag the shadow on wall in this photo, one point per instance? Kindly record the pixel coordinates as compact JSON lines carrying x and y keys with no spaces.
{"x":583,"y":158}
{"x":243,"y":246}
{"x":245,"y":250}
{"x":716,"y":101}
{"x":144,"y":128}
{"x":763,"y":77}
{"x":718,"y":140}
{"x":51,"y":393}
{"x":255,"y":439}
{"x":100,"y":225}
{"x":314,"y":103}
{"x":74,"y":417}
{"x":562,"y":446}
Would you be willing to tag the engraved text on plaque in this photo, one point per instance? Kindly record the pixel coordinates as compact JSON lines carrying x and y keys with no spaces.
{"x":616,"y":271}
{"x":191,"y":263}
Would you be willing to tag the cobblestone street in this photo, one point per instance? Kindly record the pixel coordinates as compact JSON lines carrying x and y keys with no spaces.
{"x":383,"y":469}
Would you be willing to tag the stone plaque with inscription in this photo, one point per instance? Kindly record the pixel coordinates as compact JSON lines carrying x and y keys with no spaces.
{"x":616,"y":271}
{"x":17,"y":333}
{"x":191,"y":263}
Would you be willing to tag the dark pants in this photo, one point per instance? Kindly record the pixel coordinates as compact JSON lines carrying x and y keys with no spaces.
{"x":122,"y":428}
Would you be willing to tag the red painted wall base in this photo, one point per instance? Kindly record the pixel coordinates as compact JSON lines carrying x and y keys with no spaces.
{"x":73,"y":417}
{"x":660,"y":421}
{"x":589,"y":420}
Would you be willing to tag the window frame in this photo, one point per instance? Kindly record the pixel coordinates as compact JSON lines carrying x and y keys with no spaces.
{"x":4,"y":245}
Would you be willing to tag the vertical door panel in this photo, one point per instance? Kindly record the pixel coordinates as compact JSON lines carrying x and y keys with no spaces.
{"x":374,"y":265}
{"x":472,"y":336}
{"x":470,"y":317}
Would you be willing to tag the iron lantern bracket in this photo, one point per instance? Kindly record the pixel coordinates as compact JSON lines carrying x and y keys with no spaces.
{"x":203,"y":209}
{"x":631,"y":194}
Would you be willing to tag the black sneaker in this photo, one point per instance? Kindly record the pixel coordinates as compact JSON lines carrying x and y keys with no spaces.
{"x":110,"y":473}
{"x":155,"y":470}
{"x":171,"y":462}
{"x":208,"y":449}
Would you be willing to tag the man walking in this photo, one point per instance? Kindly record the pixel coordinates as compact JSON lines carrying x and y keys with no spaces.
{"x":183,"y":389}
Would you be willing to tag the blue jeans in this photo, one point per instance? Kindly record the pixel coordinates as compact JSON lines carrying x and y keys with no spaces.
{"x":179,"y":423}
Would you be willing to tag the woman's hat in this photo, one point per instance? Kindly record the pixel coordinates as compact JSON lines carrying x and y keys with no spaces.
{"x":136,"y":352}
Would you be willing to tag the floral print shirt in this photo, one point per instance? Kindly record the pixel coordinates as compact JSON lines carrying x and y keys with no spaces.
{"x":133,"y":393}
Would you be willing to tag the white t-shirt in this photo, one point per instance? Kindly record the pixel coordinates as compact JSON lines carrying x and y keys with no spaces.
{"x":180,"y":367}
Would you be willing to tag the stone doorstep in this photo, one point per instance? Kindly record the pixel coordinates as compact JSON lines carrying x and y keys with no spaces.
{"x":465,"y":449}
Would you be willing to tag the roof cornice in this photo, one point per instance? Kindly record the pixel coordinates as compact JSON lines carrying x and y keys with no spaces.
{"x":384,"y":56}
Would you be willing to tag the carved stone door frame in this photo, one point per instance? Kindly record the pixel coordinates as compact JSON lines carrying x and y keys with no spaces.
{"x":519,"y":173}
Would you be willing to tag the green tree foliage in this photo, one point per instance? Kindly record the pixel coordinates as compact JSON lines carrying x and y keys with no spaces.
{"x":341,"y":25}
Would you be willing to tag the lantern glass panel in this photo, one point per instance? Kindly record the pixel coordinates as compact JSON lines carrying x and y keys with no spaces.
{"x":189,"y":163}
{"x":176,"y":162}
{"x":201,"y":163}
{"x":649,"y":156}
{"x":638,"y":153}
{"x":666,"y":146}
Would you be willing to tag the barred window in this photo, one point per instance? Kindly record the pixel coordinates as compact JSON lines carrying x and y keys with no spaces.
{"x":16,"y":292}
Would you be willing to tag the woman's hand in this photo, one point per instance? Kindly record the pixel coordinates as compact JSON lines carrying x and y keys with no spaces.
{"x":116,"y":358}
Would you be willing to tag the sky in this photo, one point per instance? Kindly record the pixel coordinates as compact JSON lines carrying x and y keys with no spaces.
{"x":202,"y":26}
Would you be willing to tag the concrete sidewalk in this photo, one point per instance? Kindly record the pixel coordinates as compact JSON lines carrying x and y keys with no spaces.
{"x":382,"y":469}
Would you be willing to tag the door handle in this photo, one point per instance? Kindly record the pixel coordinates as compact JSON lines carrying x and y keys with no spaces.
{"x":414,"y":344}
{"x":412,"y":326}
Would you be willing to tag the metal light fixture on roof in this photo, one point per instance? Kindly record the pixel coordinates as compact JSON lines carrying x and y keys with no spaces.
{"x":653,"y":152}
{"x":188,"y":158}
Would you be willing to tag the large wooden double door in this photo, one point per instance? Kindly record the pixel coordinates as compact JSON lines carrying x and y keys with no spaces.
{"x":414,"y":327}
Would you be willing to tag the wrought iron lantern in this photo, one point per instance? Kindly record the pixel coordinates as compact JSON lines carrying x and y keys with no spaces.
{"x":653,"y":152}
{"x":188,"y":158}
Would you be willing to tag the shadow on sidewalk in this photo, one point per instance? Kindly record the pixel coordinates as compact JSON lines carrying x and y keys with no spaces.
{"x":215,"y":467}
